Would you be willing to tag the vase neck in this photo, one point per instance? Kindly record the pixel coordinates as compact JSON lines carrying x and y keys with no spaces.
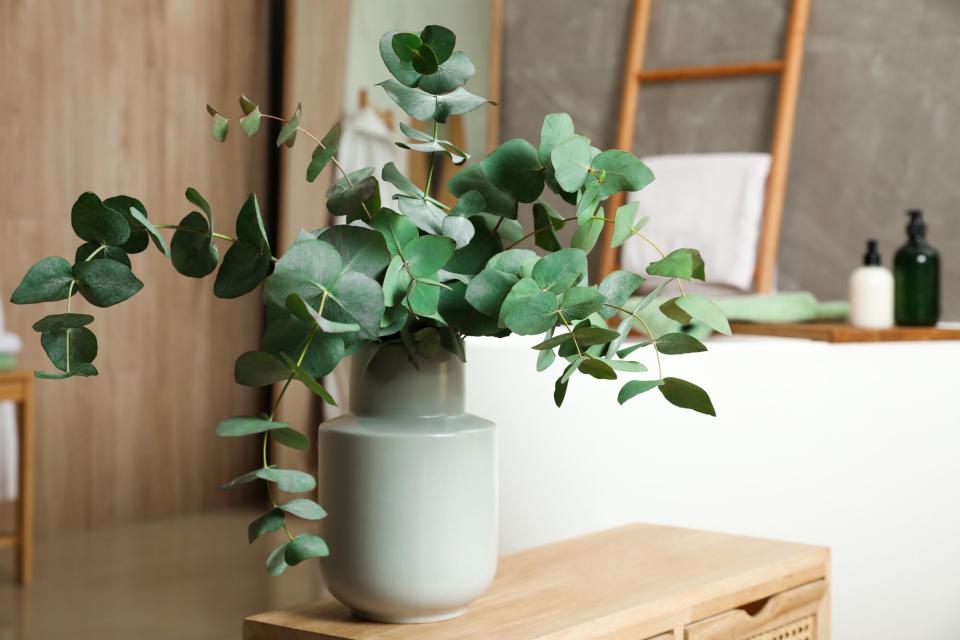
{"x":383,"y":382}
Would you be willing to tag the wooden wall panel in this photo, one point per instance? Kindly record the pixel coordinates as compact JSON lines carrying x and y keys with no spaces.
{"x":109,"y":95}
{"x":315,"y":45}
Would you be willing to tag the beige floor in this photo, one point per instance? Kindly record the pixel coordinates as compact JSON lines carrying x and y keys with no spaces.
{"x":193,"y":577}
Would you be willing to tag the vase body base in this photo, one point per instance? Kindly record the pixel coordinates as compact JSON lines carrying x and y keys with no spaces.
{"x":440,"y":617}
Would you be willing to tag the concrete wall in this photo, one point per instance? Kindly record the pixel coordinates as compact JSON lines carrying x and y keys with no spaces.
{"x":876,"y":111}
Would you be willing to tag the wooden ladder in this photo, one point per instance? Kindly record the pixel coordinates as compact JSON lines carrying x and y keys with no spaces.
{"x":788,"y":68}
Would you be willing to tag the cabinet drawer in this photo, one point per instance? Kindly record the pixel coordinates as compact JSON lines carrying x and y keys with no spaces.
{"x":790,"y":615}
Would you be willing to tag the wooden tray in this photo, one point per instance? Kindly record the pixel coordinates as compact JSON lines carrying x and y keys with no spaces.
{"x":841,"y":332}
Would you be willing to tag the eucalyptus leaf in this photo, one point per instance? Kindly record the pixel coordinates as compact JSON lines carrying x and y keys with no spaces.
{"x":598,"y":369}
{"x":397,"y":230}
{"x":95,"y":222}
{"x":246,"y":425}
{"x":473,"y":178}
{"x":626,"y":223}
{"x":527,"y":310}
{"x":487,"y":291}
{"x":617,"y":170}
{"x":678,"y":343}
{"x":45,"y":281}
{"x":267,"y":523}
{"x":288,"y":133}
{"x":557,"y":127}
{"x":105,"y":282}
{"x":685,"y":264}
{"x":687,"y":395}
{"x":362,"y":250}
{"x":571,"y":162}
{"x":308,"y":380}
{"x":290,"y":437}
{"x":259,"y":369}
{"x":304,"y":547}
{"x":192,"y":251}
{"x":704,"y":310}
{"x":587,"y":235}
{"x":635,"y":387}
{"x":449,"y":76}
{"x":276,"y":565}
{"x":546,"y":223}
{"x":304,"y":508}
{"x":400,"y":69}
{"x":514,"y":168}
{"x":69,"y":347}
{"x":82,"y":370}
{"x":247,"y":262}
{"x":324,"y":153}
{"x":616,"y":288}
{"x":158,"y":240}
{"x":124,"y":205}
{"x":459,"y":229}
{"x":423,"y":213}
{"x":441,"y":41}
{"x":62,"y":321}
{"x":347,"y":196}
{"x":579,"y":302}
{"x":561,"y":270}
{"x":93,"y":251}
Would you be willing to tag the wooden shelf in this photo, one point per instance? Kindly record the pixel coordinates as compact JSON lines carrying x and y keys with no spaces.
{"x":638,"y":581}
{"x":840,"y":332}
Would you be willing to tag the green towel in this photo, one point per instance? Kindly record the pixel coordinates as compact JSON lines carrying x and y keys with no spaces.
{"x":7,"y":361}
{"x":773,"y":308}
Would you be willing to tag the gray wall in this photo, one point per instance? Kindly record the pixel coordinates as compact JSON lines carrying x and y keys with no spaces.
{"x":877,"y":112}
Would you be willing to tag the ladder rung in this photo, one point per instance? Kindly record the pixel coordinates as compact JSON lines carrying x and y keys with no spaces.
{"x":9,"y":540}
{"x":712,"y":71}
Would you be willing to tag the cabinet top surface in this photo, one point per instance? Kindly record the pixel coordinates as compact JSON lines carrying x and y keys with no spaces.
{"x":589,"y":587}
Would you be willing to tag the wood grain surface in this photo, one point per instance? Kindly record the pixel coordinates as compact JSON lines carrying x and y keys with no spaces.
{"x":636,"y":581}
{"x":108,"y":96}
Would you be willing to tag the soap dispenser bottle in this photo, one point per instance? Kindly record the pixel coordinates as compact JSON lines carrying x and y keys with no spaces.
{"x":871,"y":292}
{"x":916,"y":269}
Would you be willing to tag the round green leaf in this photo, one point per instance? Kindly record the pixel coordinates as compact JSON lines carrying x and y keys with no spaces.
{"x":426,"y":60}
{"x":361,"y":250}
{"x":82,"y":370}
{"x":441,"y":41}
{"x":427,"y":254}
{"x":45,"y":281}
{"x":616,"y":288}
{"x":527,"y":310}
{"x":82,"y":347}
{"x":292,"y":438}
{"x":451,"y":74}
{"x":571,"y":162}
{"x":303,"y":547}
{"x":139,"y":239}
{"x":556,"y":128}
{"x":626,"y":223}
{"x":406,"y":46}
{"x":402,"y":71}
{"x":620,"y":171}
{"x":62,"y":321}
{"x":158,"y":240}
{"x":598,"y":369}
{"x":473,"y":178}
{"x":105,"y":282}
{"x":704,"y":310}
{"x":514,"y":167}
{"x":561,"y":270}
{"x":458,"y":229}
{"x":487,"y":291}
{"x":681,"y":263}
{"x":347,"y":195}
{"x":259,"y":369}
{"x":95,"y":222}
{"x":276,"y":565}
{"x":579,"y":302}
{"x":192,"y":250}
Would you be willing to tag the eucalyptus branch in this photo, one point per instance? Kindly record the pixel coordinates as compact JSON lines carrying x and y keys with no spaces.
{"x":566,"y":324}
{"x":426,"y":189}
{"x":319,"y":142}
{"x":633,"y":314}
{"x":535,"y":231}
{"x":221,"y":236}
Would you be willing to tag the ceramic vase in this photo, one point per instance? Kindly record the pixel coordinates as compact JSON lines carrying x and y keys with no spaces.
{"x":409,"y":482}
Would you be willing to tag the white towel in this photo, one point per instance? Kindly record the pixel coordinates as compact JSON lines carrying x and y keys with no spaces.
{"x":9,"y":445}
{"x":367,"y":141}
{"x":711,"y":202}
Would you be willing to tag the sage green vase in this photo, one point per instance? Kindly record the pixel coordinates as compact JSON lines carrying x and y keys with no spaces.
{"x":409,"y":482}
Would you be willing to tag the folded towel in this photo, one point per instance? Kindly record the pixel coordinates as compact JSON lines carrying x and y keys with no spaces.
{"x":367,"y":141}
{"x":711,"y":202}
{"x":774,"y":308}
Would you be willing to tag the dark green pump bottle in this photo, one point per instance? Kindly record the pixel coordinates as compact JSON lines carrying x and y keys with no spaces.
{"x":916,"y":273}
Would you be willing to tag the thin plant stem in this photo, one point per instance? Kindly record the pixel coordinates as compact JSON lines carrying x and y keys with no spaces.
{"x":570,"y":331}
{"x":535,"y":231}
{"x":633,"y":314}
{"x":221,"y":236}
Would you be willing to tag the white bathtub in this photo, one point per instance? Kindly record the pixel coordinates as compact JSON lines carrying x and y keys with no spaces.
{"x":852,"y":446}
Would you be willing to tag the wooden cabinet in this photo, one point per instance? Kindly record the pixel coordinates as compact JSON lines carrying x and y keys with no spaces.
{"x":794,"y":614}
{"x":637,"y":582}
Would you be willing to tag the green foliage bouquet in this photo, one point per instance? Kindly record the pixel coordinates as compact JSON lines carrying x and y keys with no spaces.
{"x":415,"y":273}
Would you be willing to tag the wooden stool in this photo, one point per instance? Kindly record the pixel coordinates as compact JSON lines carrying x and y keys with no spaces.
{"x":639,"y":582}
{"x":17,"y":386}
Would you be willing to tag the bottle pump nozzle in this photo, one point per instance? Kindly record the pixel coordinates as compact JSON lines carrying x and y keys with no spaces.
{"x":916,"y":228}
